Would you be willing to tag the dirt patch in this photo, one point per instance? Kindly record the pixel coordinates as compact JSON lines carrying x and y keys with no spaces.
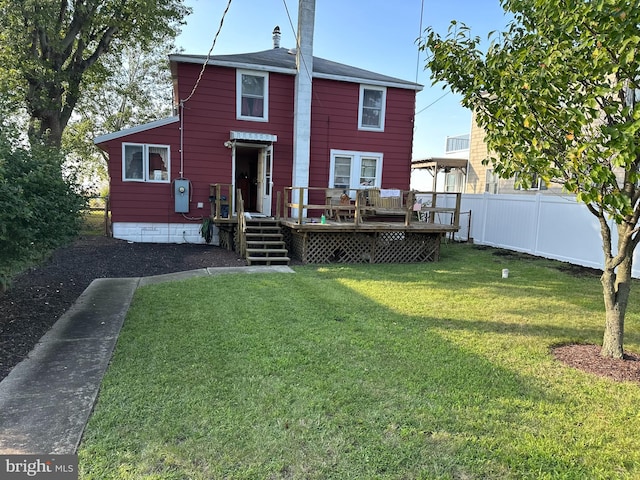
{"x":575,"y":270}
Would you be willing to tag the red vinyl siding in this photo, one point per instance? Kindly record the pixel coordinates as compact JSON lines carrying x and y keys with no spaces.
{"x":140,"y":201}
{"x":335,"y":127}
{"x":210,"y":115}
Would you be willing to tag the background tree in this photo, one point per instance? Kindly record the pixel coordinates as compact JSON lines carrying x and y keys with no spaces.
{"x":138,"y":90}
{"x":557,"y":95}
{"x":49,"y":47}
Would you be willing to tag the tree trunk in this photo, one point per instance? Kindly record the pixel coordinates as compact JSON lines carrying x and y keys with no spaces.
{"x":616,"y":285}
{"x":48,"y":129}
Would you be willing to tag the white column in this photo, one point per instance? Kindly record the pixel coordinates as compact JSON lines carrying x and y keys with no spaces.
{"x":303,"y":92}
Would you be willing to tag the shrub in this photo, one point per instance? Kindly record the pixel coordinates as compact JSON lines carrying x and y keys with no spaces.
{"x":39,"y":208}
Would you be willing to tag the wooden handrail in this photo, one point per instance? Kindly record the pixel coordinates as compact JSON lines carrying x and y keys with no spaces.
{"x":361,"y":207}
{"x":217,"y":191}
{"x":242,"y":244}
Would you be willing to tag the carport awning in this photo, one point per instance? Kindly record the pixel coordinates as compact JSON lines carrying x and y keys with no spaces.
{"x":443,"y":163}
{"x":253,"y":137}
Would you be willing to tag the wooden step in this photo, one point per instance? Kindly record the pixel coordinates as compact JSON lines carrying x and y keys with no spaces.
{"x":268,"y":260}
{"x":255,"y":228}
{"x":274,"y":243}
{"x":267,"y":251}
{"x":264,"y":242}
{"x":266,"y":245}
{"x":256,"y":237}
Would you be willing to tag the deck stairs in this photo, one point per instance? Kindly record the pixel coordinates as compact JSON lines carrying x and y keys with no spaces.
{"x":264,"y":242}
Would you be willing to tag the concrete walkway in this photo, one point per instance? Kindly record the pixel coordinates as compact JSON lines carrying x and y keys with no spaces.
{"x":46,"y":400}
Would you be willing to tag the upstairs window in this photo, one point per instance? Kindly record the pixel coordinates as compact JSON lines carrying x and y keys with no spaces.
{"x":252,"y":96}
{"x":145,"y":163}
{"x":372,"y":108}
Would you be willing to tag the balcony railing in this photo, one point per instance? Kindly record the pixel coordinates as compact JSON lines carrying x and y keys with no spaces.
{"x":457,"y":143}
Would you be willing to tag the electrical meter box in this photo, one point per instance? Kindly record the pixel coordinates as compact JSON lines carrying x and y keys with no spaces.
{"x":181,"y":194}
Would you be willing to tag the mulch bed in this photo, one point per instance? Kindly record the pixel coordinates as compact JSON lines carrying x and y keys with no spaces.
{"x":587,"y":358}
{"x":40,"y":295}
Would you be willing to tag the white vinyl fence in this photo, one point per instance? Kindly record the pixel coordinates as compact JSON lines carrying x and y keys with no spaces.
{"x":550,"y":226}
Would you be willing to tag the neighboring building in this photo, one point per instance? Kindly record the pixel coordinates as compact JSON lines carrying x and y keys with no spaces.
{"x":461,"y":169}
{"x":481,"y":179}
{"x":244,"y":124}
{"x":446,"y":173}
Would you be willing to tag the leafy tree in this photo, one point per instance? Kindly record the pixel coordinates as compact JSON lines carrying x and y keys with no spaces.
{"x":557,"y":95}
{"x":51,"y":48}
{"x":138,"y":90}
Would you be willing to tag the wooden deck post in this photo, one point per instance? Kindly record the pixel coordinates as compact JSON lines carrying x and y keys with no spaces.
{"x":300,"y":204}
{"x":456,"y":215}
{"x":357,"y":213}
{"x":408,"y":207}
{"x":218,"y":190}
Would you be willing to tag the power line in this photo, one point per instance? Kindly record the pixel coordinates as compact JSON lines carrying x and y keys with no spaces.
{"x":295,"y":34}
{"x":434,"y":102}
{"x":195,"y":87}
{"x":419,"y":35}
{"x":204,"y":65}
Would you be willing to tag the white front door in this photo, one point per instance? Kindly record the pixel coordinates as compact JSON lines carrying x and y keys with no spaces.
{"x":265,"y":182}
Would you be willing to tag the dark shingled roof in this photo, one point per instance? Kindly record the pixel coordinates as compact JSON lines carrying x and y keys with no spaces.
{"x":283,"y":58}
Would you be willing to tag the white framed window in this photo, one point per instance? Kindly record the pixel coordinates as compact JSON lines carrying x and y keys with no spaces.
{"x":453,"y":181}
{"x":491,"y":181}
{"x":252,"y":95}
{"x":145,"y":163}
{"x":371,"y":108}
{"x":354,"y":170}
{"x":536,"y":183}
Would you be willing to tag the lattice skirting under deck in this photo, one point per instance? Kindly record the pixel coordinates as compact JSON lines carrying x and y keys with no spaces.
{"x":363,"y":247}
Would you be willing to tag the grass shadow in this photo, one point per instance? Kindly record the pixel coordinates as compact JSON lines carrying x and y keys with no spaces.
{"x":314,"y":376}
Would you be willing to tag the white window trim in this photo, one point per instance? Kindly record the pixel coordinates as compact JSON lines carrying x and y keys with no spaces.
{"x":145,"y":162}
{"x":356,"y":165}
{"x":457,"y":183}
{"x":253,"y":73}
{"x":491,"y":182}
{"x":538,"y":186}
{"x":382,"y":109}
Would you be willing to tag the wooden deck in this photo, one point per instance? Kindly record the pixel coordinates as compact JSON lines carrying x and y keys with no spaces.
{"x":403,"y":232}
{"x":367,"y":242}
{"x":371,"y":225}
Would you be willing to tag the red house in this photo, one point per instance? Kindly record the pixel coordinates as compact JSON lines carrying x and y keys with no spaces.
{"x":260,"y":123}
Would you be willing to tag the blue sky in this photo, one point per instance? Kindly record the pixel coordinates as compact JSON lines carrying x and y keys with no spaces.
{"x":377,"y":35}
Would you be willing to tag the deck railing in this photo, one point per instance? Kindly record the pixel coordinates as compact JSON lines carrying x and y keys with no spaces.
{"x":395,"y":205}
{"x":309,"y":204}
{"x":221,"y":199}
{"x":242,"y":243}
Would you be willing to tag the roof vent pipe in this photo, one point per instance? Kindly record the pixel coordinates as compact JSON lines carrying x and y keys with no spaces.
{"x":276,"y":37}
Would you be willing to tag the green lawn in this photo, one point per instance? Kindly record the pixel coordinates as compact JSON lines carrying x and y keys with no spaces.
{"x":93,"y":223}
{"x":429,"y":371}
